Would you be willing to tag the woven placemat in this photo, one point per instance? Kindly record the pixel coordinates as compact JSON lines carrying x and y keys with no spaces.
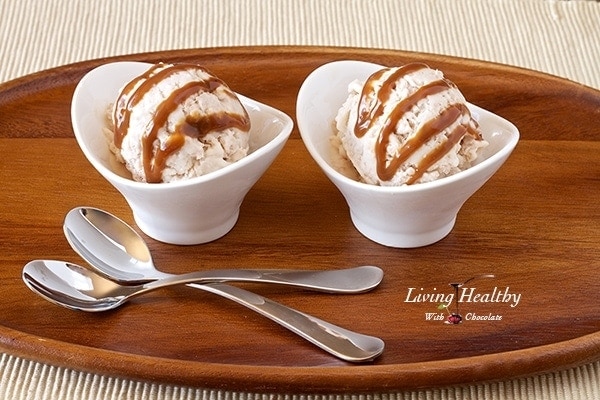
{"x":558,"y":37}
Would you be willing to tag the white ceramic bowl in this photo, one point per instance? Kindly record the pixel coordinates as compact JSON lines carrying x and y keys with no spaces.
{"x":194,"y":211}
{"x":406,"y":216}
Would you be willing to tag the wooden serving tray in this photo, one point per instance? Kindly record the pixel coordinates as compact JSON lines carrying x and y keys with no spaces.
{"x":535,"y":225}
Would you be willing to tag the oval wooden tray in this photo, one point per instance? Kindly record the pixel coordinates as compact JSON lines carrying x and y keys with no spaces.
{"x":535,"y":226}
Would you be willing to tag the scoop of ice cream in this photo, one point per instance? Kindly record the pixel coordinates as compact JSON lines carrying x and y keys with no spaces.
{"x":177,"y":122}
{"x":407,"y":125}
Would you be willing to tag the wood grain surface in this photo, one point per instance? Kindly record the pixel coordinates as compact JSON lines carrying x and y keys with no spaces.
{"x":535,"y":225}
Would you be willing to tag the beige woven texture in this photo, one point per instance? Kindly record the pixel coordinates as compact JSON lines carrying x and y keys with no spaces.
{"x":556,"y":37}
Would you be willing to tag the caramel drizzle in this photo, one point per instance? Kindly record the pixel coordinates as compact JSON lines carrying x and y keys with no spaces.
{"x":123,"y":107}
{"x":194,"y":126}
{"x":371,"y":108}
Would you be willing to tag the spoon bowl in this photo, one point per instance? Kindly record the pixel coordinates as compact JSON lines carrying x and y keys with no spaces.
{"x":118,"y":252}
{"x":74,"y":287}
{"x":78,"y":288}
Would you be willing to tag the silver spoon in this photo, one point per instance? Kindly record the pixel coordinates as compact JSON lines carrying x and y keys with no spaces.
{"x":78,"y":288}
{"x":115,"y":250}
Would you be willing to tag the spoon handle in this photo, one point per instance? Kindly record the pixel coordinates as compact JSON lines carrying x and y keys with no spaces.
{"x":345,"y":281}
{"x":342,"y":343}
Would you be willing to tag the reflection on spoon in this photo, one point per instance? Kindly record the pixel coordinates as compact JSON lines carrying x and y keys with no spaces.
{"x":75,"y":287}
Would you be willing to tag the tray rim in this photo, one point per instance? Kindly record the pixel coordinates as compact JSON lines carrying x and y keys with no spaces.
{"x":510,"y":364}
{"x":323,"y":379}
{"x":64,"y":72}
